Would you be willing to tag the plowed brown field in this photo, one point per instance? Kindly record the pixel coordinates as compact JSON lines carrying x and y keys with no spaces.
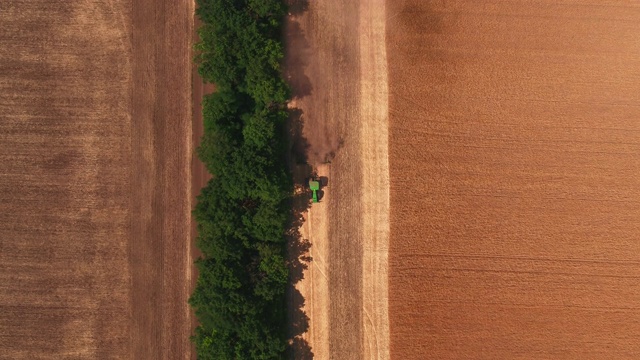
{"x":95,"y":193}
{"x":515,"y":179}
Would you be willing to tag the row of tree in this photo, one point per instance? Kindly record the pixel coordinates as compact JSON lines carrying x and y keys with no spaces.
{"x":242,"y":212}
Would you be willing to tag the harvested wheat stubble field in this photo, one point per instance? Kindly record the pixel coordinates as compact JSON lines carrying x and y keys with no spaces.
{"x":95,"y":156}
{"x":324,"y":72}
{"x":515,"y":179}
{"x":336,"y":65}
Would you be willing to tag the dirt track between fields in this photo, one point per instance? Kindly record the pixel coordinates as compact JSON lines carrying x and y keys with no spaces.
{"x":199,"y":173}
{"x":337,"y":67}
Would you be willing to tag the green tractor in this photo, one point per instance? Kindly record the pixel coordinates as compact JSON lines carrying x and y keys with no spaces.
{"x":314,"y":186}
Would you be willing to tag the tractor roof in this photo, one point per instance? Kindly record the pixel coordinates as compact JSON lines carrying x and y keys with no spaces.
{"x":314,"y":185}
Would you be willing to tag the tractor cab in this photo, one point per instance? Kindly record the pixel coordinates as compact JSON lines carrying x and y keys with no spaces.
{"x":314,"y":186}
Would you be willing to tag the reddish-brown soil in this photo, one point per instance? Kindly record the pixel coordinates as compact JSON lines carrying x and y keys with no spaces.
{"x":515,"y":187}
{"x":95,"y":187}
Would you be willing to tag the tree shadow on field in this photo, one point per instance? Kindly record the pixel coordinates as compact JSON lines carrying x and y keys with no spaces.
{"x":416,"y":17}
{"x":298,"y":53}
{"x":297,"y":245}
{"x":298,"y":259}
{"x":297,"y":7}
{"x":295,"y":63}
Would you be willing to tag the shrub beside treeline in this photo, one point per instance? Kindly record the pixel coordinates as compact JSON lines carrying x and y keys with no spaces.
{"x":242,"y":212}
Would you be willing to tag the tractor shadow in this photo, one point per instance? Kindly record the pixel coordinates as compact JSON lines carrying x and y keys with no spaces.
{"x":297,"y":7}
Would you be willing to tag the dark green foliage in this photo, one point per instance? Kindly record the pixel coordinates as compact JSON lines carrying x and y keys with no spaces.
{"x":240,"y":48}
{"x":242,"y":212}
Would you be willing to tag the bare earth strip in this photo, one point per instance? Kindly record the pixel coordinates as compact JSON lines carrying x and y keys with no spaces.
{"x":199,"y":173}
{"x":161,"y":148}
{"x":375,"y":178}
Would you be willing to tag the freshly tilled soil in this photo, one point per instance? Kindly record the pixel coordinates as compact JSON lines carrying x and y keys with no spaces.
{"x":514,"y":160}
